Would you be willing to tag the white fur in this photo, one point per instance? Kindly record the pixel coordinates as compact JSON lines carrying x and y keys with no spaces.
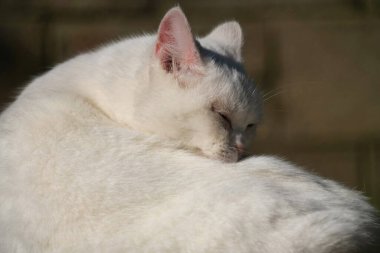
{"x":95,"y":157}
{"x":226,"y":38}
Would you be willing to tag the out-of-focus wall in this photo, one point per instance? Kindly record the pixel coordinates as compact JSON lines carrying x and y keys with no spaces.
{"x":317,"y":62}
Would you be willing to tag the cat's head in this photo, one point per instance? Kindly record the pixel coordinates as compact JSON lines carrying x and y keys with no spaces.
{"x":199,"y":92}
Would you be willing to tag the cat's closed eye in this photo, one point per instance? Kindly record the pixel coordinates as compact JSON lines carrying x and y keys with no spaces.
{"x":225,"y":119}
{"x":250,"y":126}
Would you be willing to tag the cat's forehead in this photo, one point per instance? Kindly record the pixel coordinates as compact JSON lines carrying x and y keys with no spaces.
{"x":245,"y":100}
{"x":228,"y":68}
{"x":232,"y":77}
{"x":236,"y":92}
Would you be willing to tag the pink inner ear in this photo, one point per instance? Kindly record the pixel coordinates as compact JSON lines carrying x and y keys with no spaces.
{"x":164,"y":44}
{"x":175,"y":45}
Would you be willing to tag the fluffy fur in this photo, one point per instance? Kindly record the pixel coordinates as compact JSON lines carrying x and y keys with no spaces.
{"x":99,"y":155}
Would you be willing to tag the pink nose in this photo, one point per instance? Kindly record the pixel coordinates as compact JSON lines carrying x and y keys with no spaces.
{"x":240,"y":147}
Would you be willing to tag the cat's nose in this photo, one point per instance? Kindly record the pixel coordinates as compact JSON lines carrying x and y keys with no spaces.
{"x":239,"y":145}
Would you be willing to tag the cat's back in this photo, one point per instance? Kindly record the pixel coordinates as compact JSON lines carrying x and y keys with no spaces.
{"x":104,"y":188}
{"x":89,"y":184}
{"x":71,"y":94}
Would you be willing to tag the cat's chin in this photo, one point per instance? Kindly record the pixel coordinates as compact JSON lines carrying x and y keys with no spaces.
{"x":227,"y":156}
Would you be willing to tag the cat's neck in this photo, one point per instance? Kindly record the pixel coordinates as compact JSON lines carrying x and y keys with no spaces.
{"x":101,"y":78}
{"x":123,"y":72}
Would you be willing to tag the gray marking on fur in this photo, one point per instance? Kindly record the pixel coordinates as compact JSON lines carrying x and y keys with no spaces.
{"x":229,"y":65}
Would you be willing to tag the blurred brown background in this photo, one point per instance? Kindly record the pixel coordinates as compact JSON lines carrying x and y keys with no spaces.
{"x":317,"y":61}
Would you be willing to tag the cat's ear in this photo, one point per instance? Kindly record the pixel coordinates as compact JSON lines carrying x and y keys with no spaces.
{"x":229,"y":37}
{"x":175,"y":46}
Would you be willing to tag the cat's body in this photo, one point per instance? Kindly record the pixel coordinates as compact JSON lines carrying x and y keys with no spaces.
{"x":79,"y":173}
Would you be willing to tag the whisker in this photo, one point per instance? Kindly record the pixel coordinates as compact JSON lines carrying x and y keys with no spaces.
{"x":271,"y":96}
{"x":268,"y":93}
{"x":277,"y":110}
{"x":254,"y":90}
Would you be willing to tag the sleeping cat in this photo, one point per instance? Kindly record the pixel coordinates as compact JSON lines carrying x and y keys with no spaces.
{"x":124,"y":149}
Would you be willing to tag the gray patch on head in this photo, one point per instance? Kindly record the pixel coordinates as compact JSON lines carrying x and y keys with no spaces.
{"x":219,"y":59}
{"x":230,"y":65}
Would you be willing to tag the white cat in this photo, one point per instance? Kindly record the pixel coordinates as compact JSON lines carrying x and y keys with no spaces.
{"x":110,"y":152}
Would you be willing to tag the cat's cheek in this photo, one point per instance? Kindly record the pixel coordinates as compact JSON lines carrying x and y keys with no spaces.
{"x":210,"y":154}
{"x":228,"y":156}
{"x":215,"y":153}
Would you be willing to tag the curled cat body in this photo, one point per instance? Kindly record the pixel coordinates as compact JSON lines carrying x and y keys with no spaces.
{"x":133,"y":148}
